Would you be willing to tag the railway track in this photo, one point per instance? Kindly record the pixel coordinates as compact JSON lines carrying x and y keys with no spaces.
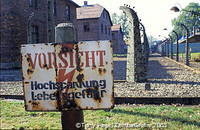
{"x":138,"y":100}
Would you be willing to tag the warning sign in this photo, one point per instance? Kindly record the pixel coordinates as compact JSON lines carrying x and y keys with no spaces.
{"x":60,"y":77}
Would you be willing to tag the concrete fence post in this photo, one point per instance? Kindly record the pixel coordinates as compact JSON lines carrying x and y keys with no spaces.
{"x":177,"y":46}
{"x":187,"y":62}
{"x":171,"y":46}
{"x":135,"y":59}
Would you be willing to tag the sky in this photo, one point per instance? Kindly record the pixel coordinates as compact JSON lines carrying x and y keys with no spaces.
{"x":154,"y":14}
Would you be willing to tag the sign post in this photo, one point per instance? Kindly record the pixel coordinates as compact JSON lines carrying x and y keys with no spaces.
{"x":67,"y":76}
{"x":65,"y":33}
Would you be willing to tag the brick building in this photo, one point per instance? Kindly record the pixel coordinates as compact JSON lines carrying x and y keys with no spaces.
{"x":14,"y":25}
{"x":33,"y":21}
{"x":119,"y":46}
{"x":27,"y":22}
{"x":93,"y":23}
{"x":60,"y":11}
{"x":30,"y":21}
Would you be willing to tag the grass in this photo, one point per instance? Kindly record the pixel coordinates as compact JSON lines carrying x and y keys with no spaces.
{"x":194,"y":56}
{"x":145,"y":117}
{"x":119,"y":55}
{"x":13,"y":115}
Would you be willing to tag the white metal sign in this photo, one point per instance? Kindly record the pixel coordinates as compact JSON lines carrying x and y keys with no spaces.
{"x":60,"y":77}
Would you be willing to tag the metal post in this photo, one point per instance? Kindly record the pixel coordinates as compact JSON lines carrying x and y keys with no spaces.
{"x":187,"y":50}
{"x":177,"y":46}
{"x":165,"y":47}
{"x":65,"y":33}
{"x":168,"y":47}
{"x":145,"y":54}
{"x":194,"y":30}
{"x":187,"y":45}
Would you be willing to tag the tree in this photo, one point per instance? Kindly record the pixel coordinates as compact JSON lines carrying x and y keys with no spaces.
{"x":189,"y":16}
{"x":115,"y":18}
{"x":122,"y":20}
{"x":151,"y":40}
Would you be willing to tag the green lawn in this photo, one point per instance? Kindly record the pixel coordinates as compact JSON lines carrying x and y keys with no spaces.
{"x":193,"y":55}
{"x":145,"y":117}
{"x":119,"y":55}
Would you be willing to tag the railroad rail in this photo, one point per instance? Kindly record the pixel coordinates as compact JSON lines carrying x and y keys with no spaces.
{"x":138,"y":100}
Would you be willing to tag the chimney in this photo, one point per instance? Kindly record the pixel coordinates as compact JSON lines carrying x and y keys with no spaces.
{"x":85,"y":3}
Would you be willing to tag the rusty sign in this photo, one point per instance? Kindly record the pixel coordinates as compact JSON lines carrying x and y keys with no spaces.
{"x":60,"y":77}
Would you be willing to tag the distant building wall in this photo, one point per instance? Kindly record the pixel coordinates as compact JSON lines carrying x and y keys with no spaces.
{"x":119,"y":69}
{"x":194,"y":47}
{"x":14,"y":18}
{"x":88,"y":29}
{"x":96,"y":26}
{"x":28,"y":22}
{"x":119,"y":46}
{"x":61,"y":11}
{"x":105,"y":23}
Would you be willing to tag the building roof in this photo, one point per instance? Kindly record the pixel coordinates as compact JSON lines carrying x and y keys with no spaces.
{"x":116,"y":27}
{"x":192,"y":39}
{"x":89,"y":11}
{"x":75,"y":4}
